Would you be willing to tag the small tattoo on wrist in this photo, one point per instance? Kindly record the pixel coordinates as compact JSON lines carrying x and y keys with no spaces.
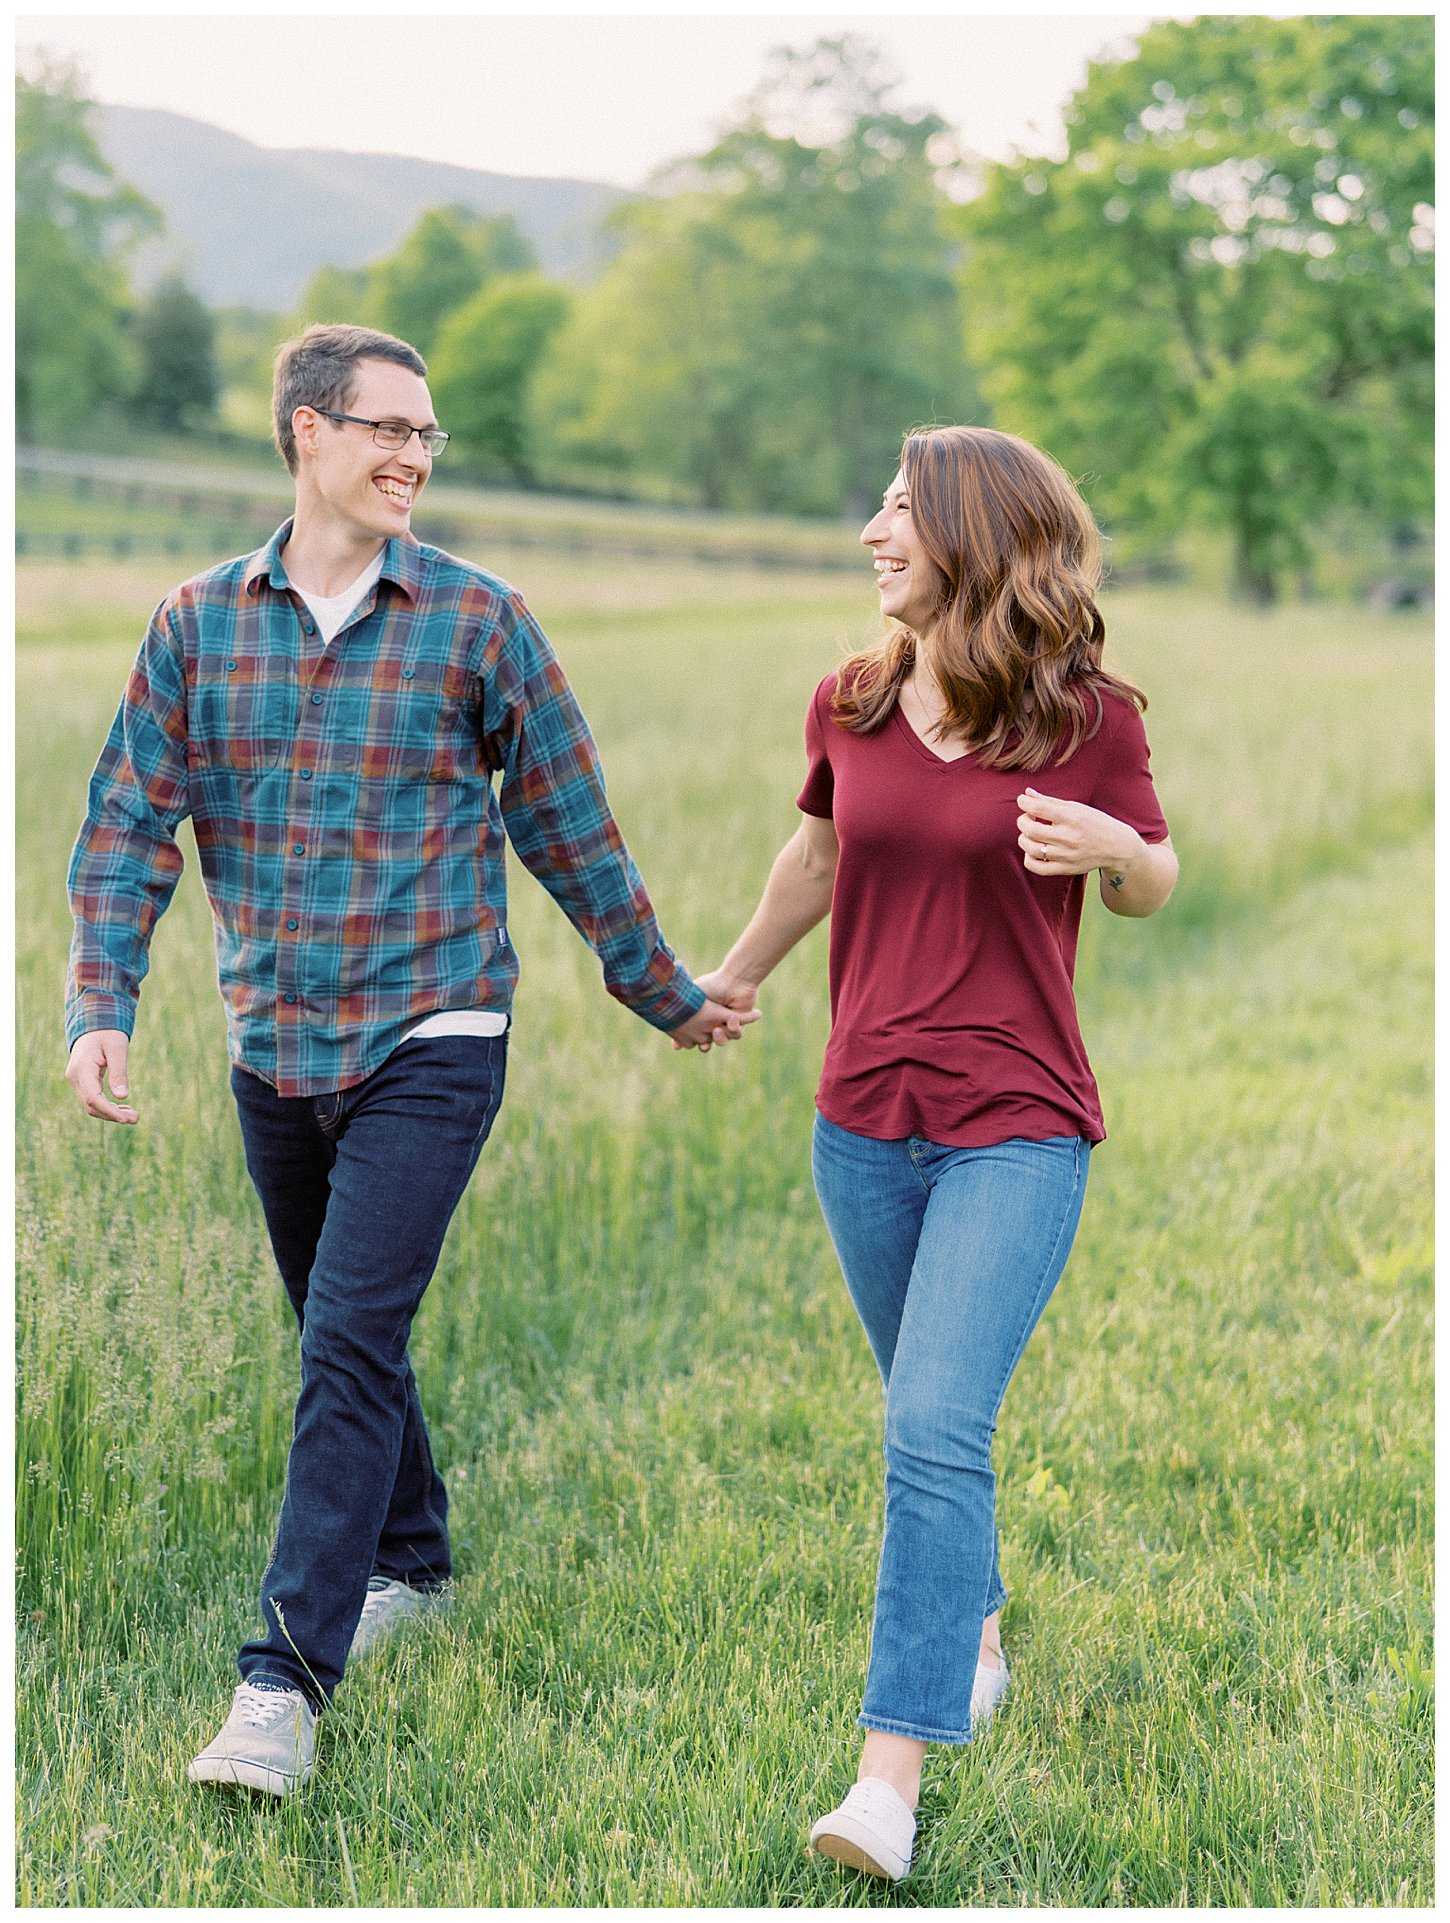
{"x":1116,"y":881}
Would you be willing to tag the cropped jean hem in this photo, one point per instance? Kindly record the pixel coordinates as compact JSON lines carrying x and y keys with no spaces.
{"x":997,"y":1600}
{"x":918,"y":1732}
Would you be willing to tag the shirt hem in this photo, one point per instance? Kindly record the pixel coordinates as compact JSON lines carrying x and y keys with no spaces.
{"x":986,"y":1132}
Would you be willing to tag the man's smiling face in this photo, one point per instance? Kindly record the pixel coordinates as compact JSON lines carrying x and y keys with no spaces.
{"x":371,"y":488}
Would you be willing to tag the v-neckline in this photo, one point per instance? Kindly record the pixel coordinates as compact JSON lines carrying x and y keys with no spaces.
{"x":928,"y":753}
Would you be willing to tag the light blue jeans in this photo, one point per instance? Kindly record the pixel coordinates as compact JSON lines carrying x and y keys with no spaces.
{"x":950,"y":1255}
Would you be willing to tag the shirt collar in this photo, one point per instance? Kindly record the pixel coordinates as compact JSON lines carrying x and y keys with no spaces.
{"x":402,"y":564}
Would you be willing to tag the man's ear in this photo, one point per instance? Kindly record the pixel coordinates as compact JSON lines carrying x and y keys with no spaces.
{"x":305,"y":429}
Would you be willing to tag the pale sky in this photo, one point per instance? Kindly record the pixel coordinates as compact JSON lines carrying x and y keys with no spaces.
{"x":591,"y":94}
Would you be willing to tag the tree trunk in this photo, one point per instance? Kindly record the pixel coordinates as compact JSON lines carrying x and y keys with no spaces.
{"x":1253,"y":578}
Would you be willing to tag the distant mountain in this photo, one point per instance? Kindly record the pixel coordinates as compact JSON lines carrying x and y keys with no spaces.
{"x":248,"y":224}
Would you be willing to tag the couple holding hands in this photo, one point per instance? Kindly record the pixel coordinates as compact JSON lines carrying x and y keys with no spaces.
{"x":332,"y":711}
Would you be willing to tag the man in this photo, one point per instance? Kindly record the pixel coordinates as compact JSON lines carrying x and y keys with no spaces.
{"x":331,"y":712}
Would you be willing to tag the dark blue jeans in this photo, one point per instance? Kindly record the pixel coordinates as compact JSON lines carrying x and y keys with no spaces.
{"x":358,"y":1188}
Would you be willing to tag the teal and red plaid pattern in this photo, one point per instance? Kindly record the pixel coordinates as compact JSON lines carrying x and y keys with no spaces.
{"x":342,"y":798}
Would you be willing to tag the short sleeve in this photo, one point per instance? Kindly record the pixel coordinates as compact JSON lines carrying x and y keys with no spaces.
{"x":1124,"y":787}
{"x":816,"y":797}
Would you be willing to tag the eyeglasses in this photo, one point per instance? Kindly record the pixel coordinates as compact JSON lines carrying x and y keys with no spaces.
{"x":394,"y":434}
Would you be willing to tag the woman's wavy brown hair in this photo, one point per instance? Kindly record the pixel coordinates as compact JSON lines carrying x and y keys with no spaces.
{"x":1017,"y":642}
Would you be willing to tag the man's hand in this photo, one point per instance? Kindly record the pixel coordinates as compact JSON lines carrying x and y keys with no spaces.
{"x":96,"y":1056}
{"x":711,"y":1024}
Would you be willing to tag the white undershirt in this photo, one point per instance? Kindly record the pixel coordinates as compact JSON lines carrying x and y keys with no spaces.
{"x":330,"y":612}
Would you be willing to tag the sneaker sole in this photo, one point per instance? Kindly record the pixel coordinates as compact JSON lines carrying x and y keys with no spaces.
{"x":854,"y":1847}
{"x":234,"y":1773}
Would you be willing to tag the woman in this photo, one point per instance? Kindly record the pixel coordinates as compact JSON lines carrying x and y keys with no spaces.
{"x":956,"y":1107}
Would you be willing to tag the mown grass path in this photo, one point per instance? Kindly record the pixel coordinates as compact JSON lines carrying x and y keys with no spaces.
{"x":660,"y":1421}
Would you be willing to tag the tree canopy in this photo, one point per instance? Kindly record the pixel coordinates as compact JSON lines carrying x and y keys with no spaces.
{"x":482,"y":370}
{"x":447,"y":258}
{"x":75,"y":225}
{"x":1219,"y":304}
{"x":175,"y":335}
{"x":781,"y":309}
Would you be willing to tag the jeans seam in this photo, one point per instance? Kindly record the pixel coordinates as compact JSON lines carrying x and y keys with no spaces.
{"x":1039,"y":1301}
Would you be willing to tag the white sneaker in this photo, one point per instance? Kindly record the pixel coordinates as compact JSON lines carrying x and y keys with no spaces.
{"x":268,"y":1742}
{"x":386,"y":1607}
{"x":873,"y":1830}
{"x":988,"y":1689}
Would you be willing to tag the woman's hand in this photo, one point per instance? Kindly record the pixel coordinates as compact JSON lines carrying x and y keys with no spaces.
{"x":724,"y":992}
{"x":1069,"y":838}
{"x":732,"y":990}
{"x":712,"y":1023}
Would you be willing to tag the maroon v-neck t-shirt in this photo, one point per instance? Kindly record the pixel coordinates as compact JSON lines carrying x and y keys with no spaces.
{"x":952,"y":1013}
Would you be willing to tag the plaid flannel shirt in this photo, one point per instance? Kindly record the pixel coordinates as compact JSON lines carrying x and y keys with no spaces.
{"x":342,"y":798}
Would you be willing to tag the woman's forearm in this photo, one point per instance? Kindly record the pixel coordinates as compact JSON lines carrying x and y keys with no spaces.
{"x":1140,"y":886}
{"x":797,"y":896}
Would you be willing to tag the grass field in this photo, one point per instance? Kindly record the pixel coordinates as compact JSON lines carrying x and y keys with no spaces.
{"x":660,"y":1421}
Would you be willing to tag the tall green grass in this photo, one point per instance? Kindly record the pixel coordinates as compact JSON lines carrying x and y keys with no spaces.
{"x":660,"y":1422}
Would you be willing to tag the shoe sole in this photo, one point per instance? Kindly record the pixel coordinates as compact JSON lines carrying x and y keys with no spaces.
{"x":233,"y":1773}
{"x":848,"y":1845}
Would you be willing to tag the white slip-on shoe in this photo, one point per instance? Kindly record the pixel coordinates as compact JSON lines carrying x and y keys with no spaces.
{"x":386,"y":1607}
{"x":268,"y":1742}
{"x":873,"y":1830}
{"x":988,"y":1689}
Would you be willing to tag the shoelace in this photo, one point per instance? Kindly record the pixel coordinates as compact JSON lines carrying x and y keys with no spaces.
{"x":260,"y":1708}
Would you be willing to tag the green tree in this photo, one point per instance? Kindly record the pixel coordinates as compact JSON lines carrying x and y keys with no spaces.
{"x":1219,"y":303}
{"x":444,"y":261}
{"x":448,"y":258}
{"x":483,"y":366}
{"x":75,"y":224}
{"x":175,"y":336}
{"x":339,"y":295}
{"x":773,"y":324}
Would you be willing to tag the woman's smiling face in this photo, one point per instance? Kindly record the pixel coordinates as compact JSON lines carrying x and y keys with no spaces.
{"x":909,"y":584}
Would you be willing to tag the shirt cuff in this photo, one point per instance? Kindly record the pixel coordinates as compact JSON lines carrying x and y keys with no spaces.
{"x":94,"y":1008}
{"x":664,"y":1004}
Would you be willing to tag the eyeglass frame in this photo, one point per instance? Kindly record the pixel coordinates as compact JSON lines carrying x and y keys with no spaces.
{"x":437,"y":436}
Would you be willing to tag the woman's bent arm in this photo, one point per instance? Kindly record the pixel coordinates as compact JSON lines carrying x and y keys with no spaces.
{"x":797,"y":896}
{"x":1142,"y":885}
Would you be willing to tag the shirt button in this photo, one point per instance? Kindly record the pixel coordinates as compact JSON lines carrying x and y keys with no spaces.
{"x":299,"y":848}
{"x":289,"y":998}
{"x":317,"y":701}
{"x":292,"y":921}
{"x":407,"y":674}
{"x":307,"y":774}
{"x":309,"y":627}
{"x":231,"y":667}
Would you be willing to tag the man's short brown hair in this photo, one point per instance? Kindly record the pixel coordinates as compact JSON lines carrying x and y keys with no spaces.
{"x":318,"y":369}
